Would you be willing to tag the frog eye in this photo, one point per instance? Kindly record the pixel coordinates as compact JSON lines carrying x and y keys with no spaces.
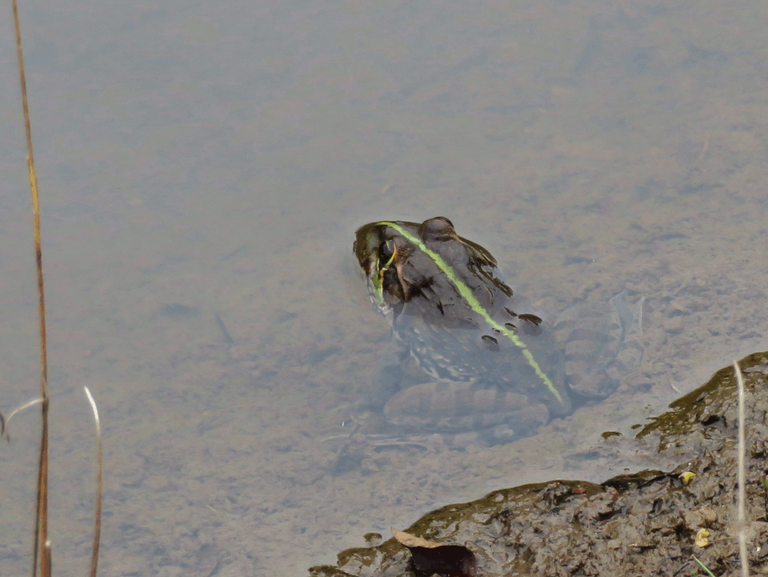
{"x":438,"y":228}
{"x":387,"y":252}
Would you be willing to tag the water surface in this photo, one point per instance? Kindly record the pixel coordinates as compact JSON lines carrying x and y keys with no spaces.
{"x":205,"y":166}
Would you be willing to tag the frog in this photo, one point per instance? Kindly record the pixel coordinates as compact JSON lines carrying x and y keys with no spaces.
{"x":473,"y":355}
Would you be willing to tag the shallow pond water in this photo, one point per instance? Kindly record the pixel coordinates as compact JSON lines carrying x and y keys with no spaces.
{"x":202,"y":172}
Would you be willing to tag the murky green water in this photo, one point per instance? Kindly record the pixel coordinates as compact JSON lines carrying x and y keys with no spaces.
{"x":200,"y":161}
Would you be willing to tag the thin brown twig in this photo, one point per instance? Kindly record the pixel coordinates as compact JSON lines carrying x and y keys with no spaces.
{"x":97,"y":507}
{"x":41,"y":546}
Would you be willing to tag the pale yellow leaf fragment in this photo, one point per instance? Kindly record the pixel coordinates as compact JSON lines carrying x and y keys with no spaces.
{"x":687,"y":476}
{"x":702,"y":538}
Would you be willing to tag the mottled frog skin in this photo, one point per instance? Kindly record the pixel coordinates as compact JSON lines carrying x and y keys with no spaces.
{"x":491,"y":364}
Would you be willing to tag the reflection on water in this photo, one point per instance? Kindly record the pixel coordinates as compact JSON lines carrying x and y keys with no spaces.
{"x":202,"y":173}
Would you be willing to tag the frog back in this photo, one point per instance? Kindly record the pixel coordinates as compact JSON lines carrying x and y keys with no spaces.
{"x":492,"y":340}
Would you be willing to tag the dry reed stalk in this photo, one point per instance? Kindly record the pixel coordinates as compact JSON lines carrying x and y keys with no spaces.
{"x":97,"y":504}
{"x":4,"y":422}
{"x":42,"y":545}
{"x":42,"y":548}
{"x":742,"y":517}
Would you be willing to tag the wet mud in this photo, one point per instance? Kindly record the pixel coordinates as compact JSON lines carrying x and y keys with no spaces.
{"x":650,"y":522}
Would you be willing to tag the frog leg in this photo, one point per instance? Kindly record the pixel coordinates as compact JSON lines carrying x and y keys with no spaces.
{"x":629,"y":357}
{"x":602,"y":344}
{"x":397,"y":370}
{"x":461,"y":407}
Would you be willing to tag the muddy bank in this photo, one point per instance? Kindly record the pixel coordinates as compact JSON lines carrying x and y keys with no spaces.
{"x":641,"y":523}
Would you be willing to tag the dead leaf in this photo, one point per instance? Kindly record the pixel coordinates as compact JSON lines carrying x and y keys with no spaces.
{"x":411,"y":541}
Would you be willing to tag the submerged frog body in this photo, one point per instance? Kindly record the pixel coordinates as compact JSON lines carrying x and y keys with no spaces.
{"x":493,"y":364}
